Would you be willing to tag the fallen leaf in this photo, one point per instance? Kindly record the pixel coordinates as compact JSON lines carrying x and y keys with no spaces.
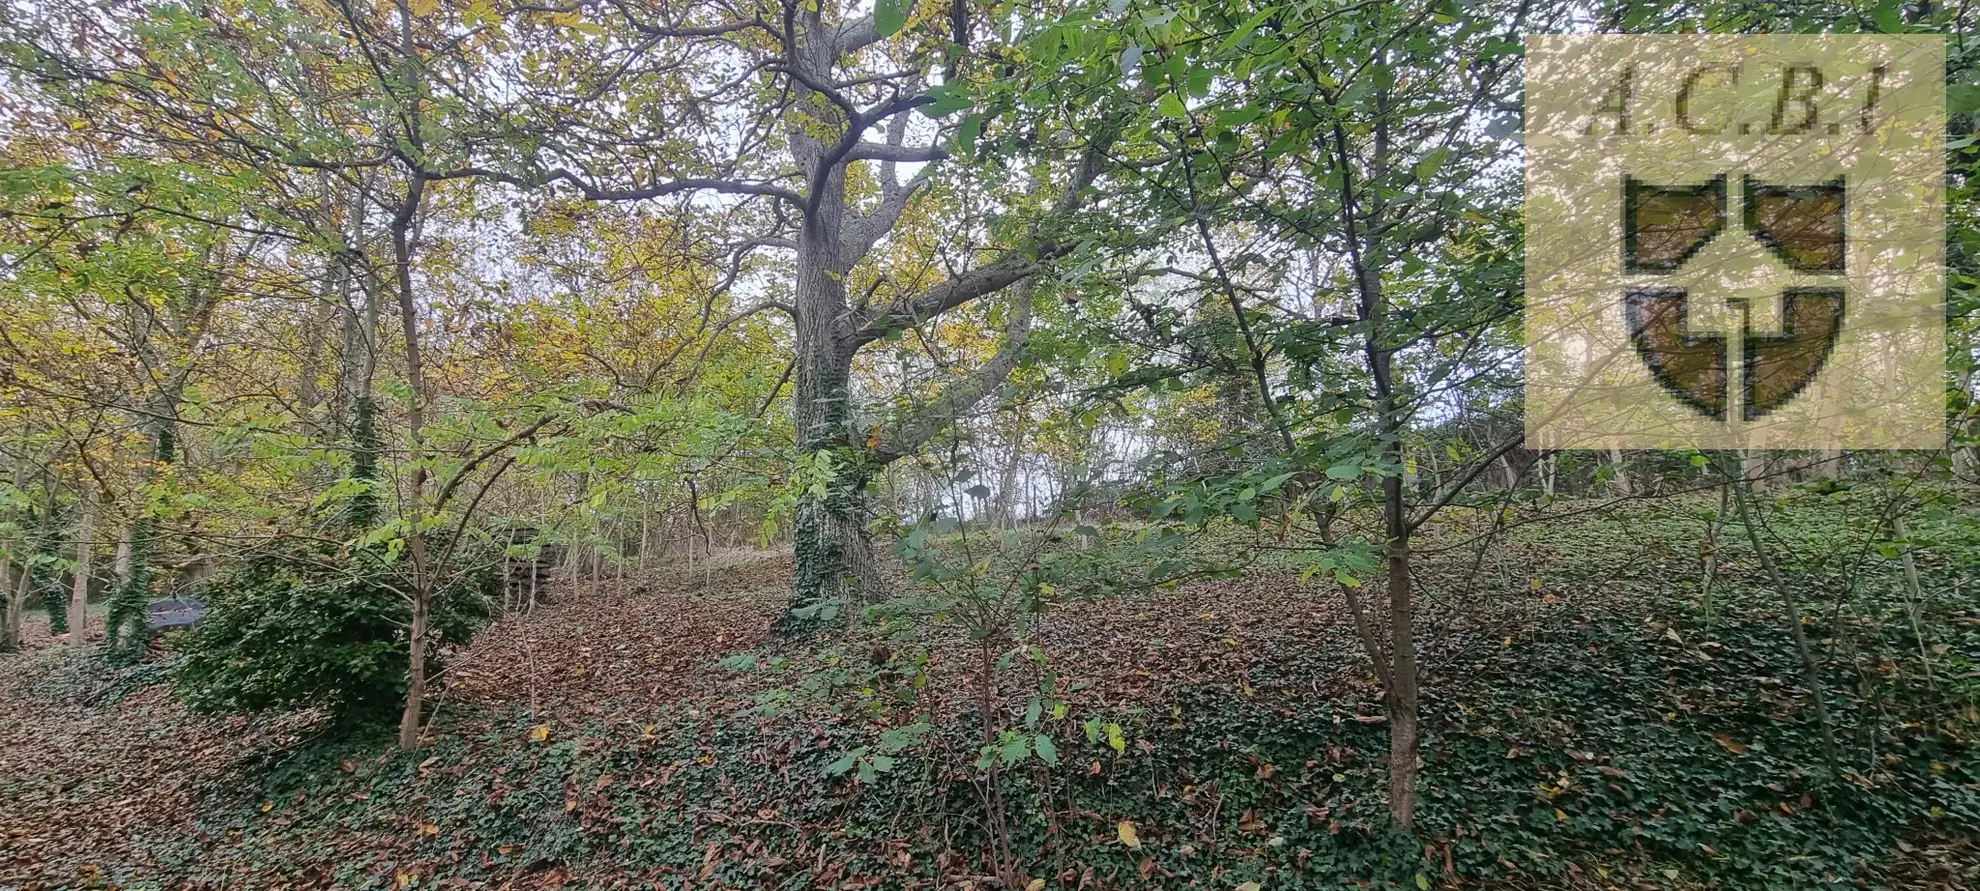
{"x":1125,"y":830}
{"x":539,"y":733}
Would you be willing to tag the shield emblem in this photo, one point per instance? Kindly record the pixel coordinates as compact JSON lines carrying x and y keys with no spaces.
{"x":1735,"y":241}
{"x":1802,"y":226}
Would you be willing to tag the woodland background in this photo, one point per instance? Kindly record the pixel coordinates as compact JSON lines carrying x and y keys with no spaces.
{"x":719,"y":443}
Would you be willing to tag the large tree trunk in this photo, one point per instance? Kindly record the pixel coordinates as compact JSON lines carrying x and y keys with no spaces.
{"x":126,"y":629}
{"x":834,"y":557}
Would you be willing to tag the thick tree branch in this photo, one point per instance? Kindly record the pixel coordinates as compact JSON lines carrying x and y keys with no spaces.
{"x":868,"y":151}
{"x":1014,"y":266}
{"x":862,"y":233}
{"x":961,"y":394}
{"x":594,"y":193}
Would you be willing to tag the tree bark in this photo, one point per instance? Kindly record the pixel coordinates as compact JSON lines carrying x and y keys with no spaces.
{"x":126,"y":629}
{"x":422,"y":573}
{"x":1621,"y":471}
{"x":834,"y":553}
{"x":21,"y":582}
{"x":79,"y":591}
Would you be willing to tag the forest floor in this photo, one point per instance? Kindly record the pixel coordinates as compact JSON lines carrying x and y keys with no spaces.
{"x":1592,"y":724}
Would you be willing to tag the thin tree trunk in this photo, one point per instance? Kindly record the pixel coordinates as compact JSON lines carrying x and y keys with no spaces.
{"x":1915,"y":602}
{"x":79,"y":591}
{"x":415,"y":505}
{"x":121,"y":564}
{"x":1712,"y":549}
{"x":1810,"y":670}
{"x":1621,"y":471}
{"x":1401,"y":693}
{"x":10,"y":617}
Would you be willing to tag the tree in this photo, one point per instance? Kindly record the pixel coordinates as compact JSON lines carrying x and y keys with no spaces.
{"x":839,"y":87}
{"x":1367,"y":134}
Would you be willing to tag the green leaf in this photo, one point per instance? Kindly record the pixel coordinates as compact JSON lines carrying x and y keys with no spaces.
{"x":845,"y":763}
{"x":1016,"y":748}
{"x":949,"y":99}
{"x":972,"y":127}
{"x":1962,"y":98}
{"x":1428,"y":167}
{"x":1047,"y":752}
{"x":1250,"y":25}
{"x":1171,"y":106}
{"x":1887,"y":17}
{"x":888,"y":17}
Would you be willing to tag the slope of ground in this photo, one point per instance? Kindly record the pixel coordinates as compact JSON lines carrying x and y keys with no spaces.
{"x":1592,"y":725}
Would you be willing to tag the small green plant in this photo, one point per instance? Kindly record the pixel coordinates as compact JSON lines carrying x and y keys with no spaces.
{"x":315,"y":626}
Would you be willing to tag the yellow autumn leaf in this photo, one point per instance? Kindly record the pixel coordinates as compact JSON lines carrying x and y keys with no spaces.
{"x":1126,"y":831}
{"x":539,"y":733}
{"x":1035,"y":885}
{"x":423,"y":7}
{"x":1560,"y":815}
{"x":1249,"y":886}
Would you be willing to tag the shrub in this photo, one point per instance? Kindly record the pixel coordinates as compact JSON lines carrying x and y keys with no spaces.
{"x":315,"y":626}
